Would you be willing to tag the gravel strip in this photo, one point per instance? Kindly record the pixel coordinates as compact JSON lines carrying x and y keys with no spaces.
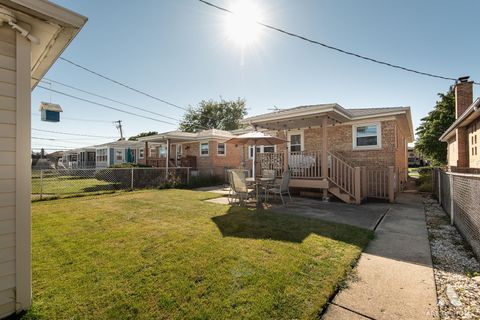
{"x":457,"y":271}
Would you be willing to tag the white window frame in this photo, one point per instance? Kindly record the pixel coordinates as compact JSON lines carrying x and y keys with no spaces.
{"x":115,"y":155}
{"x":200,"y":148}
{"x":162,"y":151}
{"x":379,"y":136}
{"x":179,"y":149}
{"x":224,"y":149}
{"x":102,"y":155}
{"x":262,"y":150}
{"x":141,"y":153}
{"x":302,"y":139}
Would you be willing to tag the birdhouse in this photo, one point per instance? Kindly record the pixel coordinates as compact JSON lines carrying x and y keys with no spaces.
{"x":50,"y":111}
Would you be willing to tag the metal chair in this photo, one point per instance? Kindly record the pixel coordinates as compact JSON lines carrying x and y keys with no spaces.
{"x":281,"y":188}
{"x":239,"y":189}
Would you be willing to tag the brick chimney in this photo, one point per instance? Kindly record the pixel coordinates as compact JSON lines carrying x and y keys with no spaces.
{"x":463,"y":100}
{"x":463,"y":95}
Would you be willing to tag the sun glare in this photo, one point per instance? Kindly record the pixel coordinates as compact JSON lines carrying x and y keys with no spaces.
{"x":241,"y":26}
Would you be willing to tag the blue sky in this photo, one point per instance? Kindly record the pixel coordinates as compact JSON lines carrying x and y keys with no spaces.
{"x":179,"y":51}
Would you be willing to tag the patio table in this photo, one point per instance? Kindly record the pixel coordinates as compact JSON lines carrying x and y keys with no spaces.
{"x":258,"y":183}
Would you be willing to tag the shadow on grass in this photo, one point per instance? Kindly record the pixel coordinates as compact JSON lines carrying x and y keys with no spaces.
{"x":242,"y":222}
{"x":104,"y":187}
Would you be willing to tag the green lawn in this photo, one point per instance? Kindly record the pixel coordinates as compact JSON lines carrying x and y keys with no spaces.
{"x":68,"y":185}
{"x":166,"y":254}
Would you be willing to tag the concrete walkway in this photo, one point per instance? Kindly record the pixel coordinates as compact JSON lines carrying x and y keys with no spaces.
{"x":394,"y":274}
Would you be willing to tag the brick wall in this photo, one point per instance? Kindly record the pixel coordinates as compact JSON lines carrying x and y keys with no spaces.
{"x":340,"y":140}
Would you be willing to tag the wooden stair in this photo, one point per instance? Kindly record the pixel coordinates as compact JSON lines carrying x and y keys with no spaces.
{"x":340,"y":194}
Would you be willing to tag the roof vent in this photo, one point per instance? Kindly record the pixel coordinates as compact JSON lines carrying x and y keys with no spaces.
{"x":463,"y":79}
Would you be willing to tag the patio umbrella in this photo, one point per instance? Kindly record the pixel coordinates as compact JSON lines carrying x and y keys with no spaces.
{"x":255,"y":138}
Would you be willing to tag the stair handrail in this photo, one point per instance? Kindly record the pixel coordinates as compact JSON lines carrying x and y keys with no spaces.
{"x":335,"y":180}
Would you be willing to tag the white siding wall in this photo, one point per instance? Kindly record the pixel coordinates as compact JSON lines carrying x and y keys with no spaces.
{"x":7,"y":169}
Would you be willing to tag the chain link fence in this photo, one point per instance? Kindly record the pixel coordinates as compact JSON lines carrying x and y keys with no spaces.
{"x":60,"y":183}
{"x":459,"y":195}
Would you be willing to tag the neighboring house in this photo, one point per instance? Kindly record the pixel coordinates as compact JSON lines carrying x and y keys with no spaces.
{"x":117,"y":152}
{"x":103,"y":155}
{"x":415,"y":159}
{"x":80,"y":158}
{"x":365,"y":149}
{"x":205,"y":151}
{"x":24,"y":59}
{"x":463,"y":136}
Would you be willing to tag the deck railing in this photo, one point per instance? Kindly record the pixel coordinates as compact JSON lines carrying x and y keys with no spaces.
{"x":272,"y":161}
{"x":305,"y":164}
{"x":342,"y":174}
{"x":358,"y":182}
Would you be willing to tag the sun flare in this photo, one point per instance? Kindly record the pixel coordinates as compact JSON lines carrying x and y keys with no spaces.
{"x":241,"y":26}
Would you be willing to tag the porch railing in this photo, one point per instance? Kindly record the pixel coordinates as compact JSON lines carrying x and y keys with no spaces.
{"x":305,"y":164}
{"x":358,"y":182}
{"x":342,"y":174}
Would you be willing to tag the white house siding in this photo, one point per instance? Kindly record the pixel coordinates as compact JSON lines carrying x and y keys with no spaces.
{"x":7,"y":169}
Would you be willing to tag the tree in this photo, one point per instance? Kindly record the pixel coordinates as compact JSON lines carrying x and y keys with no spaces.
{"x":143,"y":134}
{"x":222,"y":115}
{"x":433,"y":126}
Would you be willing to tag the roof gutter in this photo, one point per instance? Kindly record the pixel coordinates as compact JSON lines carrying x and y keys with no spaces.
{"x":475,"y":107}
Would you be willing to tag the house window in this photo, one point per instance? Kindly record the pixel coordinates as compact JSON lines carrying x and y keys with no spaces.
{"x":260,"y":149}
{"x":204,"y":149}
{"x":366,"y":136}
{"x":221,"y":149}
{"x":295,"y":142}
{"x":141,"y":153}
{"x":118,"y":155}
{"x":162,"y":150}
{"x":102,"y":155}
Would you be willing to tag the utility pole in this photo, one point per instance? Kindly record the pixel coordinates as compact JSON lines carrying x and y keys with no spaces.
{"x":118,"y":125}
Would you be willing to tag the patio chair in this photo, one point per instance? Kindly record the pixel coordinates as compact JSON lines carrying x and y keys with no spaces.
{"x":239,"y":189}
{"x":272,"y":174}
{"x":281,"y":188}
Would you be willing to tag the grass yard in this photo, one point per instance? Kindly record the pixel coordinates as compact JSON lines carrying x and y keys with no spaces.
{"x":166,"y":254}
{"x":69,"y":185}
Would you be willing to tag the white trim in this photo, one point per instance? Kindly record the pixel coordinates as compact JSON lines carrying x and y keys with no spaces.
{"x":262,"y":149}
{"x":302,"y":138}
{"x":23,"y":220}
{"x":224,"y":149}
{"x":115,"y":160}
{"x":141,"y":153}
{"x":378,"y":146}
{"x":200,"y":148}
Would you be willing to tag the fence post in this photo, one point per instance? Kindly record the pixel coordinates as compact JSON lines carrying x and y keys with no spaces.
{"x":439,"y":181}
{"x":390,"y":187}
{"x":188,"y":175}
{"x":41,"y":184}
{"x":131,"y":179}
{"x":452,"y":197}
{"x":358,"y":193}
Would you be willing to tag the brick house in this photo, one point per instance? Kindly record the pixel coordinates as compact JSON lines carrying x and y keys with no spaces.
{"x":463,"y":136}
{"x":206,"y":152}
{"x":365,"y":149}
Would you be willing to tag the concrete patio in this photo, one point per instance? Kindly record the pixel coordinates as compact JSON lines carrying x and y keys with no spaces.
{"x":364,"y":216}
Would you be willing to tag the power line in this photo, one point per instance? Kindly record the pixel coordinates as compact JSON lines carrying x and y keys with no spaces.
{"x":59,"y":149}
{"x":104,"y":105}
{"x":61,"y":140}
{"x":291,"y":34}
{"x":51,"y":145}
{"x":122,"y":84}
{"x":74,"y":134}
{"x":107,"y":98}
{"x":77,"y":119}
